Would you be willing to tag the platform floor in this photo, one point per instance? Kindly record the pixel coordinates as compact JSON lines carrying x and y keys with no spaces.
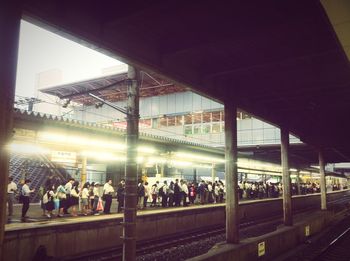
{"x":37,"y":219}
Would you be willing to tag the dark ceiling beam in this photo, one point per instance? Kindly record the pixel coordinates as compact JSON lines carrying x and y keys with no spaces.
{"x":260,"y":66}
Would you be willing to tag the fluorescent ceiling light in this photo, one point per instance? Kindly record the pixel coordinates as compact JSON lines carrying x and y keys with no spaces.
{"x":27,"y":148}
{"x":197,"y":157}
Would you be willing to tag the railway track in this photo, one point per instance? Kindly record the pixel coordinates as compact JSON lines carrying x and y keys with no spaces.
{"x":166,"y":244}
{"x":330,"y":245}
{"x":338,"y":249}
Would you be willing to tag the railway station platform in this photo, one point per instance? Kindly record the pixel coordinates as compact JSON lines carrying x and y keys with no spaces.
{"x":88,"y":235}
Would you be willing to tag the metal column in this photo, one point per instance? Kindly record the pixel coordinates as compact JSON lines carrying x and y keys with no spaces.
{"x":213,"y":173}
{"x":10,"y":15}
{"x":129,"y":230}
{"x":298,"y":183}
{"x":83,"y":170}
{"x":194,"y":175}
{"x":231,"y":174}
{"x":287,"y":199}
{"x":162,"y":169}
{"x":322,"y":182}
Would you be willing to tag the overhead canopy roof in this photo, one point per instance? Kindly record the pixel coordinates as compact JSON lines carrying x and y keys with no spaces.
{"x":279,"y":60}
{"x":111,"y":88}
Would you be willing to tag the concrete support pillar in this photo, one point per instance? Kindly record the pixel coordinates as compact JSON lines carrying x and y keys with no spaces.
{"x":231,"y":174}
{"x":287,"y":199}
{"x":162,"y":168}
{"x":213,"y":173}
{"x":129,"y":230}
{"x":194,"y":175}
{"x":298,"y":183}
{"x":83,"y":170}
{"x":10,"y":15}
{"x":322,"y":182}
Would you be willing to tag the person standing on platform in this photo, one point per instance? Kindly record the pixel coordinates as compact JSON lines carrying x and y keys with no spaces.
{"x":48,"y":200}
{"x":108,"y":190}
{"x":171,"y":194}
{"x":140,"y":194}
{"x":184,"y":189}
{"x":61,"y":195}
{"x":163,"y":191}
{"x":96,"y":193}
{"x":121,"y":195}
{"x":154,"y":192}
{"x":201,"y":192}
{"x":192,"y":193}
{"x":177,"y":193}
{"x":147,"y":194}
{"x":85,"y":198}
{"x":25,"y":197}
{"x":74,"y":199}
{"x":68,"y":188}
{"x":91,"y":196}
{"x":11,"y":190}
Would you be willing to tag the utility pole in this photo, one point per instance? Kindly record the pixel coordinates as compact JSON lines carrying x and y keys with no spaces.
{"x":129,"y":222}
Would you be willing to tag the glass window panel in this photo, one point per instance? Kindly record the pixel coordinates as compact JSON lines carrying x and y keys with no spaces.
{"x":196,"y":129}
{"x":197,"y":118}
{"x":155,"y":123}
{"x":206,"y":128}
{"x":179,"y":121}
{"x":188,"y":119}
{"x":258,"y":136}
{"x":206,"y":117}
{"x":188,"y":130}
{"x":215,"y":116}
{"x":145,"y":123}
{"x":163,"y":122}
{"x":171,"y":121}
{"x":216,"y":128}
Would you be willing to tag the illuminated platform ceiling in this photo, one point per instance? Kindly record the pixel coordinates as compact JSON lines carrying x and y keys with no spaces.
{"x":282,"y":61}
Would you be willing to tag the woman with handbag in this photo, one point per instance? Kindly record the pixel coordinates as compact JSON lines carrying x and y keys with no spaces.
{"x":97,"y":202}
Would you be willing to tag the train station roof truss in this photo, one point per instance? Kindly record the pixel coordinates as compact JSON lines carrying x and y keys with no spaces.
{"x":112,"y":88}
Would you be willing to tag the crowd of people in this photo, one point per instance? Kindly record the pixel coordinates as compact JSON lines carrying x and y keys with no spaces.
{"x":179,"y":192}
{"x":57,"y":198}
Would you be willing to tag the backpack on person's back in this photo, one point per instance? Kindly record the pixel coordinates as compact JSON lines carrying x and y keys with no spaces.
{"x":161,"y":191}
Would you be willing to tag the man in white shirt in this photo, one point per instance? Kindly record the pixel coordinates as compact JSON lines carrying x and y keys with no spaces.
{"x":184,"y":189}
{"x":164,"y":194}
{"x":11,"y":189}
{"x":25,"y":197}
{"x":107,"y":195}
